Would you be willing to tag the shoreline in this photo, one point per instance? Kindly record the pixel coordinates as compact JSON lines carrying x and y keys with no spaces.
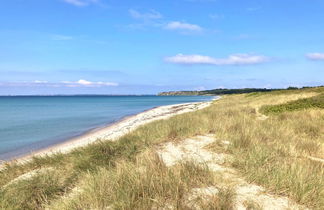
{"x":113,"y":131}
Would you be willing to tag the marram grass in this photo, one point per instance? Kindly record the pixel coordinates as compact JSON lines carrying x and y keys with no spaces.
{"x":271,"y":152}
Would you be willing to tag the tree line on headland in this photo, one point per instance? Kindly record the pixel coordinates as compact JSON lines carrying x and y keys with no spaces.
{"x":222,"y":91}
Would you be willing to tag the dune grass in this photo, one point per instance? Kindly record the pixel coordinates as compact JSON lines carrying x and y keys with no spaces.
{"x":271,"y":152}
{"x":145,"y":183}
{"x":306,"y":103}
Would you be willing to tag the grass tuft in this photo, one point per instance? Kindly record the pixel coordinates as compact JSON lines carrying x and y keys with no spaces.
{"x":144,"y":184}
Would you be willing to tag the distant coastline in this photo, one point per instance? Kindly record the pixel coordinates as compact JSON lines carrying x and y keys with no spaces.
{"x":223,"y":91}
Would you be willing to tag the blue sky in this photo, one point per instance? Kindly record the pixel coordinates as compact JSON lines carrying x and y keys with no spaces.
{"x":144,"y":47}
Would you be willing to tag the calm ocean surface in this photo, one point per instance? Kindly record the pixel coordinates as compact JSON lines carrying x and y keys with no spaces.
{"x":29,"y":123}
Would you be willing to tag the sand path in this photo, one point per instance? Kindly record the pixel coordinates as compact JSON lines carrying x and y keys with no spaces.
{"x":194,"y":149}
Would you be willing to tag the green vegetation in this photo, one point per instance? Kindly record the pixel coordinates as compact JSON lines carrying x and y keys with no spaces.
{"x":126,"y":174}
{"x":225,"y":91}
{"x":143,"y":184}
{"x":217,"y":91}
{"x":306,"y":103}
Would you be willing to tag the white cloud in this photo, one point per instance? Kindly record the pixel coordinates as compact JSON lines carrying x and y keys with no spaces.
{"x":44,"y":83}
{"x":315,"y":56}
{"x":236,"y":59}
{"x":58,"y":37}
{"x":152,"y":14}
{"x":83,"y":82}
{"x":177,"y":25}
{"x":154,"y":19}
{"x":81,"y":3}
{"x":40,"y":81}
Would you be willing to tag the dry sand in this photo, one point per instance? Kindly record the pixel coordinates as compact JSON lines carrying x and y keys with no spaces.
{"x":196,"y":149}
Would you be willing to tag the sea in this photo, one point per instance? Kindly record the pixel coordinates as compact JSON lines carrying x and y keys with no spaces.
{"x":31,"y":123}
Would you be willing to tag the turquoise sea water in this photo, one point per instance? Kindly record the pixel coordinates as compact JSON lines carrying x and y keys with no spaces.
{"x":29,"y":123}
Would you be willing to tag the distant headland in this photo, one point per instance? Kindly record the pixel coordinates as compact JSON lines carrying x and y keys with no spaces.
{"x":222,"y":91}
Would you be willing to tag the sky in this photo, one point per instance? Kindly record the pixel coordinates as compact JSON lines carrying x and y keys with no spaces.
{"x":149,"y":46}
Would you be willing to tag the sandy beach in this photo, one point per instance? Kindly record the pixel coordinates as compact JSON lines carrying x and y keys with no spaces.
{"x":114,"y":131}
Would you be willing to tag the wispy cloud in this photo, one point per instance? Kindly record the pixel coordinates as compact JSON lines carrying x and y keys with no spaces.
{"x":236,"y":59}
{"x":58,"y":37}
{"x":151,"y":18}
{"x":40,"y":81}
{"x":151,"y":15}
{"x":216,"y":16}
{"x":44,"y":83}
{"x":182,"y":26}
{"x":315,"y":56}
{"x":83,"y":82}
{"x":81,"y":3}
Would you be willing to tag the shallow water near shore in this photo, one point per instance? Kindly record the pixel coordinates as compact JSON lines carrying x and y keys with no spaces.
{"x":30,"y":123}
